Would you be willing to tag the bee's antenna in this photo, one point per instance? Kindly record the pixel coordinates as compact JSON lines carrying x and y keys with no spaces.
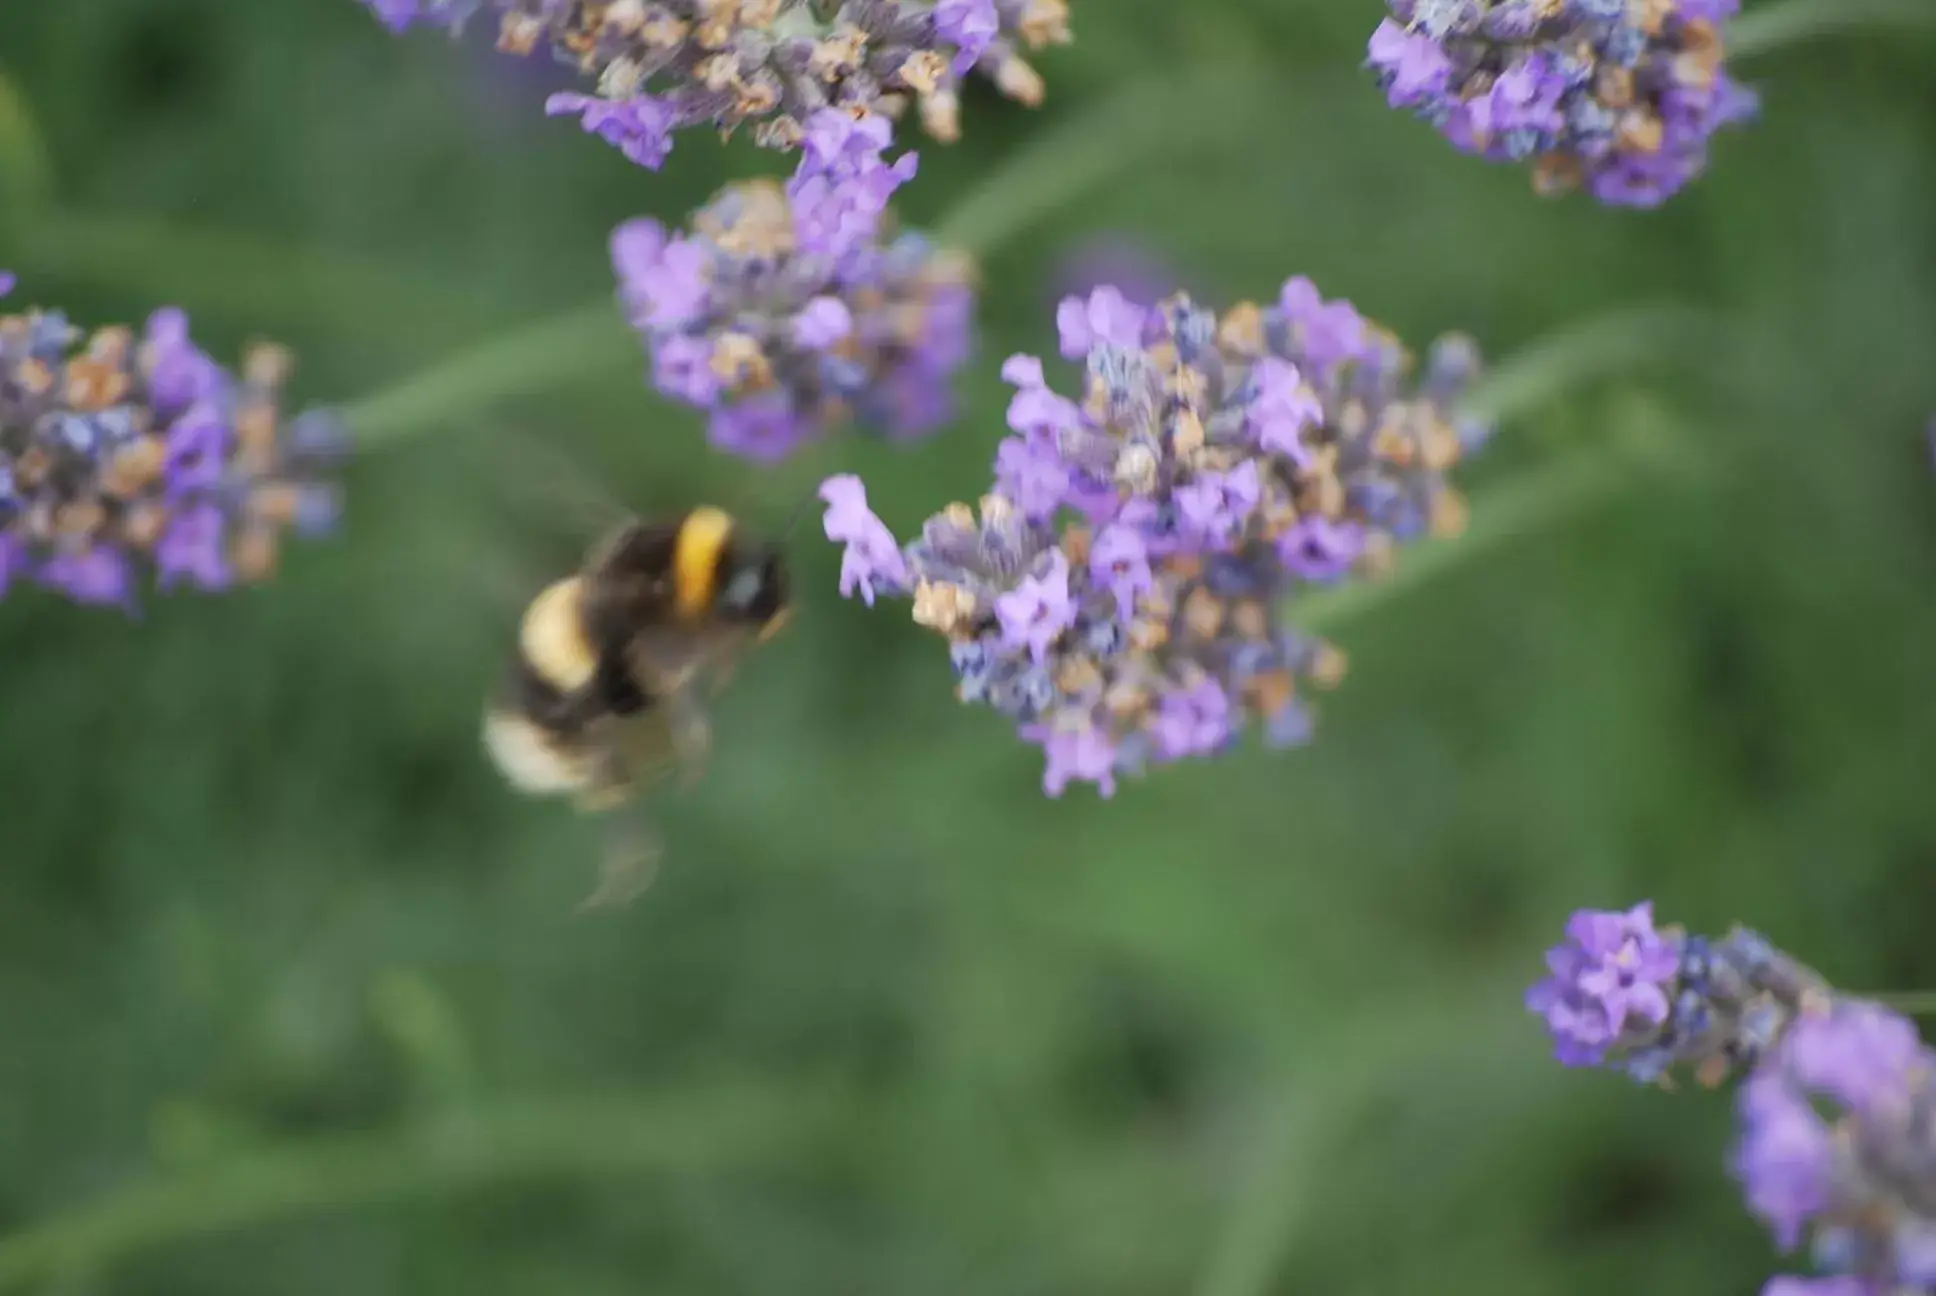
{"x":800,"y":512}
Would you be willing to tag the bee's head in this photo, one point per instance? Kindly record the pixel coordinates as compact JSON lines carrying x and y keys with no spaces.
{"x":753,"y":586}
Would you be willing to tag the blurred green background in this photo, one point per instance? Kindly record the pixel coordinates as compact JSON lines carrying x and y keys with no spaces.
{"x":293,"y":998}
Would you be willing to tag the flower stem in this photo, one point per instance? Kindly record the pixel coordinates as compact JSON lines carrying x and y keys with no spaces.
{"x":1157,"y":118}
{"x":1547,"y":496}
{"x":26,"y":177}
{"x":1535,"y":502}
{"x":258,"y":279}
{"x":458,"y":1150}
{"x":556,"y":351}
{"x":1775,"y":26}
{"x":1606,"y":344}
{"x":1916,"y":1003}
{"x":1302,"y":1130}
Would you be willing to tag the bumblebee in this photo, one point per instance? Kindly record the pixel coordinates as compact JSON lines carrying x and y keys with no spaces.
{"x":604,"y":689}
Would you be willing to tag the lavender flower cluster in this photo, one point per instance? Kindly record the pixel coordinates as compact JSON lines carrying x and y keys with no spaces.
{"x":785,"y":313}
{"x":1837,"y":1115}
{"x":1118,"y":593}
{"x":123,"y":453}
{"x":663,"y":65}
{"x":1618,"y":96}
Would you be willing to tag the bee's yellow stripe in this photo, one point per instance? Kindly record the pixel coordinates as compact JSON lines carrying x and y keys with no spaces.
{"x":695,"y":559}
{"x":552,"y":637}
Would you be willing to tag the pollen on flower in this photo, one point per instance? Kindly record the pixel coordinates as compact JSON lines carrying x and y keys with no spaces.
{"x":659,"y":68}
{"x":129,"y":456}
{"x":787,"y":312}
{"x":1119,"y":594}
{"x":1617,"y":98}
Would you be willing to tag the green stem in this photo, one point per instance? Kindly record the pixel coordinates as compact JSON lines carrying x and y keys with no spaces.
{"x":1535,"y":502}
{"x":482,"y":1147}
{"x":26,"y":176}
{"x":557,"y":351}
{"x":1544,"y":497}
{"x":255,"y":279}
{"x":1159,"y":118}
{"x":1302,"y":1136}
{"x":1916,"y":1003}
{"x":1607,"y":344}
{"x":1773,"y":27}
{"x":586,"y":342}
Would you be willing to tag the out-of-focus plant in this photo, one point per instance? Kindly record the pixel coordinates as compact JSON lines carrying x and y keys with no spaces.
{"x":1612,"y":97}
{"x":123,"y":454}
{"x":786,"y":312}
{"x":663,"y":66}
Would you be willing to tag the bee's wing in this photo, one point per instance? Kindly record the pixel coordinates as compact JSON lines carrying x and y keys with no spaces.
{"x":509,"y":561}
{"x":643,"y":745}
{"x":547,"y":475}
{"x":670,"y":665}
{"x":630,"y":864}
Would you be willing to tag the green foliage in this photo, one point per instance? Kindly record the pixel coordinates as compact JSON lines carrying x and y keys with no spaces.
{"x":296,"y":1000}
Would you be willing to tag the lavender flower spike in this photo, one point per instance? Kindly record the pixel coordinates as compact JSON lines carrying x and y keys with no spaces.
{"x":1117,"y":592}
{"x":786,"y":313}
{"x":1618,"y":98}
{"x":1624,"y":995}
{"x":659,"y":66}
{"x":1838,"y":1113}
{"x":1838,"y":1144}
{"x":125,"y":455}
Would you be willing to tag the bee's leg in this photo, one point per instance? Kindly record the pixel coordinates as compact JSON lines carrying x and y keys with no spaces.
{"x":692,"y":736}
{"x":725,"y":662}
{"x":630,"y":864}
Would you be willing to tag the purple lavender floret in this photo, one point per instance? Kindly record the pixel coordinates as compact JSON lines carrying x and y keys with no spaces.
{"x":126,"y":457}
{"x":1840,"y":1285}
{"x":1118,"y":593}
{"x":873,"y":556}
{"x":657,"y":67}
{"x":1838,"y":1146}
{"x":1618,"y":97}
{"x":1611,"y":977}
{"x":787,"y":312}
{"x":402,"y":15}
{"x":1623,"y":995}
